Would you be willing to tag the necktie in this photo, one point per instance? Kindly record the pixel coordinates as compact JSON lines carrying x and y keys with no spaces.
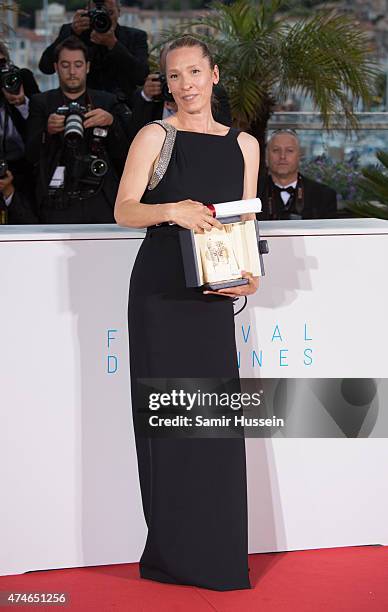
{"x":290,"y":190}
{"x":286,"y":194}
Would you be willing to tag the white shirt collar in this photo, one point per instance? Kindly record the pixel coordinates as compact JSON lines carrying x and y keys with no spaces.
{"x":294,"y":184}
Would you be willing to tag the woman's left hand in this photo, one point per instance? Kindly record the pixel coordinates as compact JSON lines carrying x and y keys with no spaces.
{"x":240,"y":290}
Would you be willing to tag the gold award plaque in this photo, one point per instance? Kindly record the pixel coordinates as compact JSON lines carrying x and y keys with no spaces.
{"x":223,"y":253}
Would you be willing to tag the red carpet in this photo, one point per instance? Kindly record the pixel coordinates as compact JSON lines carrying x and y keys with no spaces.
{"x":328,"y":580}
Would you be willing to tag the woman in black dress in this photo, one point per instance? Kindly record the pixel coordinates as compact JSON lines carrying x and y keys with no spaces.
{"x":193,"y":490}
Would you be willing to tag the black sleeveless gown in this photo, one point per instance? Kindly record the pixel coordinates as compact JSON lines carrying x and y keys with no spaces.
{"x":193,"y":490}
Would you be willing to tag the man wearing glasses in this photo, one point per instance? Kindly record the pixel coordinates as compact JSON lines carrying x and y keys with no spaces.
{"x":286,"y":193}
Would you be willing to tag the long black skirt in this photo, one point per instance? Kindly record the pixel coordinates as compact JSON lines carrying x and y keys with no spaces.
{"x":193,"y":490}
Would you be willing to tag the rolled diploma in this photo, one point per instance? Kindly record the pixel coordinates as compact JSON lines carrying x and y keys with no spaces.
{"x":238,"y":207}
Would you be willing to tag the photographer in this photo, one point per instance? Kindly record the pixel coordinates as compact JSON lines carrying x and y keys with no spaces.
{"x":76,"y":134}
{"x":15,"y":206}
{"x":118,"y":54}
{"x":285,"y":193}
{"x":153,"y":101}
{"x":17,"y":86}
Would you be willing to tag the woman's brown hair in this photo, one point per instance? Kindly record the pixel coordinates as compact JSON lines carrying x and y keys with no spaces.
{"x":190,"y":41}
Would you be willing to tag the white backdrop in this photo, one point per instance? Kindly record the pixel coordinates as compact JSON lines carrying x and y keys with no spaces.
{"x":68,"y":472}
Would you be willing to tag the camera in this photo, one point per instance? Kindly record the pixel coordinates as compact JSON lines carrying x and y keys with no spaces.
{"x":165,"y":95}
{"x":100,"y":20}
{"x":85,"y":177}
{"x":86,"y":165}
{"x":3,"y":168}
{"x":95,"y":162}
{"x":98,"y":167}
{"x":85,"y":171}
{"x":10,"y":77}
{"x":74,"y":127}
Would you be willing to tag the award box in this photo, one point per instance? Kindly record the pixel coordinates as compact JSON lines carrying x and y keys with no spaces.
{"x":214,"y":260}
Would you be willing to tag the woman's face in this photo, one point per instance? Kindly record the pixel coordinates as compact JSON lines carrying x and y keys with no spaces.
{"x":190,"y":78}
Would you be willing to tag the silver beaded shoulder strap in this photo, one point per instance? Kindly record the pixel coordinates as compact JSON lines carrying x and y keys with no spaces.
{"x":165,"y":154}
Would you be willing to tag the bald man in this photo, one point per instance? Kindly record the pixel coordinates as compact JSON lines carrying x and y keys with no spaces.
{"x":286,"y":193}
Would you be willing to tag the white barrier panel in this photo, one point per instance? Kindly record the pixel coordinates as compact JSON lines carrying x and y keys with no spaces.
{"x":70,"y":492}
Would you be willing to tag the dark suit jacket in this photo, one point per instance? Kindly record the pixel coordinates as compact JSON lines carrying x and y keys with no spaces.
{"x":30,"y":89}
{"x":21,"y":168}
{"x":117,"y":70}
{"x":143,"y":112}
{"x":320,"y":201}
{"x":45,"y":150}
{"x":22,"y":211}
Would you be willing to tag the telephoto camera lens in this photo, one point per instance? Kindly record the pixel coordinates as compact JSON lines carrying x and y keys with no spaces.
{"x":99,"y":167}
{"x":74,"y":129}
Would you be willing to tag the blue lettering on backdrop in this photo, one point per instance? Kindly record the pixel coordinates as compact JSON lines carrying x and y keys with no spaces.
{"x":246,"y":335}
{"x":308,"y":360}
{"x":283,"y":357}
{"x":305,"y":333}
{"x":113,"y":363}
{"x":254,"y":356}
{"x":110,"y":337}
{"x":275,"y":335}
{"x":114,"y":368}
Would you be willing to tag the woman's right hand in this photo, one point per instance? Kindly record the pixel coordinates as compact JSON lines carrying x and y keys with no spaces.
{"x":193,"y":215}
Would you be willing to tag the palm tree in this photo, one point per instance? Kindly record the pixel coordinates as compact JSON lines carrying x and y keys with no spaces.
{"x":264,"y":54}
{"x":374,"y":185}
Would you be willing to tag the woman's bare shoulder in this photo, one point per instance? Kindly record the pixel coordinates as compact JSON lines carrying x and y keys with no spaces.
{"x":152,"y":134}
{"x":248,"y":141}
{"x":146,"y":145}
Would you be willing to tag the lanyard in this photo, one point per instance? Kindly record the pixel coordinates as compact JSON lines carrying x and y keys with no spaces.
{"x":299,"y":201}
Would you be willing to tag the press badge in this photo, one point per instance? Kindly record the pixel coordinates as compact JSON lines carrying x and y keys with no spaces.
{"x":58,"y":178}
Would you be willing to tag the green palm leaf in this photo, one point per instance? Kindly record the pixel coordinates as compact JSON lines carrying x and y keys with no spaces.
{"x":374,"y":185}
{"x":326,"y":57}
{"x":382,"y":156}
{"x":367,"y":209}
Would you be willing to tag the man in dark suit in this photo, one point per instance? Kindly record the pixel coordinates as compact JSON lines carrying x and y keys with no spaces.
{"x":71,"y":188}
{"x":16,"y":207}
{"x":17,"y":181}
{"x":118,"y":57}
{"x":153,"y":101}
{"x":286,"y":193}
